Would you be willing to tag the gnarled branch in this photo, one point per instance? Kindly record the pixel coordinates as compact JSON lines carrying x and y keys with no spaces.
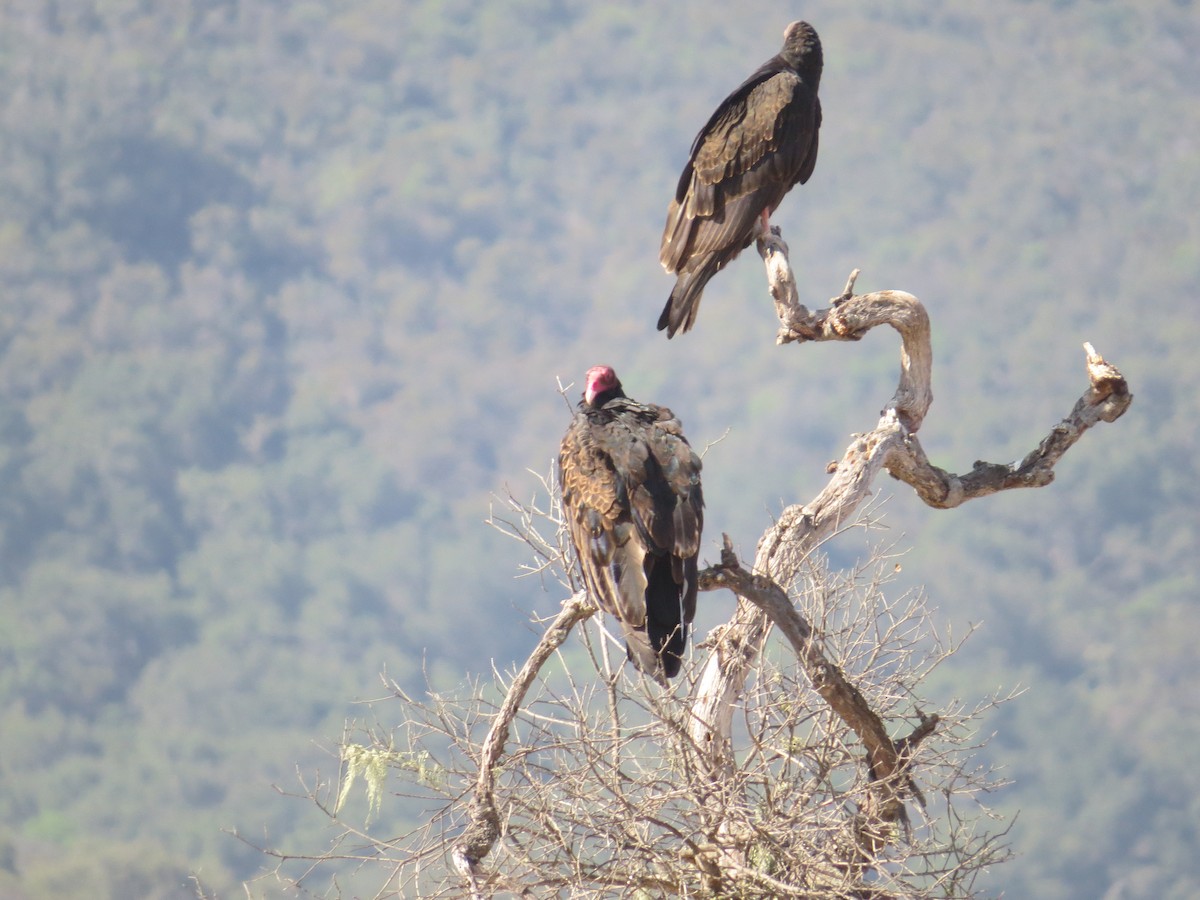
{"x":781,"y":556}
{"x":887,"y":760}
{"x":892,"y":445}
{"x":483,"y":828}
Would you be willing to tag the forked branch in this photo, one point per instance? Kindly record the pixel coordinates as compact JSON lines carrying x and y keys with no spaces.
{"x":887,"y":760}
{"x":892,"y":445}
{"x":782,"y":555}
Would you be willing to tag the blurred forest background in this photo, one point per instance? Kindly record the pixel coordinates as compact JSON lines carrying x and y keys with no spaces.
{"x":285,"y":289}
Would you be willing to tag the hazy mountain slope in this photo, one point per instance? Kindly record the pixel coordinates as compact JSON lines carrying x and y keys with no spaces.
{"x":287,"y":289}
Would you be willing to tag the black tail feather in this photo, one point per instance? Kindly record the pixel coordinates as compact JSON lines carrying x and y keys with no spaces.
{"x":684,"y":303}
{"x":666,"y":626}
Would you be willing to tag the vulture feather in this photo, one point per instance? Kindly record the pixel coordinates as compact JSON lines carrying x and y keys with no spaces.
{"x":758,"y":143}
{"x":632,"y":499}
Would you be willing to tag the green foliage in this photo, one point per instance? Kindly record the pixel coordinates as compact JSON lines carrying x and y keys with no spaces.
{"x":110,"y":871}
{"x":287,"y":288}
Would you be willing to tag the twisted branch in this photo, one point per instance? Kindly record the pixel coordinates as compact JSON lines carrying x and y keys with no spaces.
{"x":892,"y":445}
{"x":887,"y":760}
{"x":782,"y":554}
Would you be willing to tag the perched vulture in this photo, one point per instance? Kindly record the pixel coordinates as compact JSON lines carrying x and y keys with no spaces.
{"x":631,"y":496}
{"x":761,"y":140}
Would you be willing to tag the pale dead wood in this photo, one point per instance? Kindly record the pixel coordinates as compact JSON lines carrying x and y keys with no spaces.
{"x":851,"y":316}
{"x":558,"y":784}
{"x":1105,"y":400}
{"x":484,"y":826}
{"x":887,"y":760}
{"x":892,"y":445}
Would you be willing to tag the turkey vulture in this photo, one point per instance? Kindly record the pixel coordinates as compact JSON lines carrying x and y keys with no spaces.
{"x":632,"y":500}
{"x":761,"y":140}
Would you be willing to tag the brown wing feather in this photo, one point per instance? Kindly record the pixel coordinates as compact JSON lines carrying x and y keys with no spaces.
{"x":744,"y":163}
{"x":759,"y":142}
{"x":633,"y":503}
{"x":680,"y":469}
{"x":598,"y":518}
{"x":746,"y":131}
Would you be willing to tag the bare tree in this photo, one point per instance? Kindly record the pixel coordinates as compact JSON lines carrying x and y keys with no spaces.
{"x":805,"y":767}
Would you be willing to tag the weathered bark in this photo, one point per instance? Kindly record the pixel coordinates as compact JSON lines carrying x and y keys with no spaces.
{"x":892,"y":446}
{"x":887,"y":760}
{"x":483,"y":830}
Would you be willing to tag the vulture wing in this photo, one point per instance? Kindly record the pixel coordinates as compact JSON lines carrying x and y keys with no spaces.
{"x":759,"y":143}
{"x":634,"y":506}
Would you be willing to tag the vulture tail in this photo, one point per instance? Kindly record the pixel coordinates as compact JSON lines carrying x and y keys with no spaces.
{"x":680,"y":312}
{"x":665,"y":624}
{"x":642,"y":654}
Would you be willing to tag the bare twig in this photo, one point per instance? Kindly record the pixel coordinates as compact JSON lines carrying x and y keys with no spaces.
{"x":621,"y":788}
{"x":598,"y":789}
{"x":484,"y":828}
{"x":1105,"y":400}
{"x":891,"y":445}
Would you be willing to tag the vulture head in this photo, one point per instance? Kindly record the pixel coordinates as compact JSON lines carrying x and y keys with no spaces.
{"x":602,"y":385}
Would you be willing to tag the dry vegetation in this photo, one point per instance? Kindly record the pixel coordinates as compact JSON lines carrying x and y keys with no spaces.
{"x":821,"y":772}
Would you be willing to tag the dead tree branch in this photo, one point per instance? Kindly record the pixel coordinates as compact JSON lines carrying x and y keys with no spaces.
{"x":887,"y":760}
{"x":483,"y":829}
{"x":1105,"y":400}
{"x":892,"y":445}
{"x":628,"y":791}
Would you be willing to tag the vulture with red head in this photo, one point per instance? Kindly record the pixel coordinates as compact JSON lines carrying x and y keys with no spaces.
{"x":632,"y":499}
{"x":760,"y":142}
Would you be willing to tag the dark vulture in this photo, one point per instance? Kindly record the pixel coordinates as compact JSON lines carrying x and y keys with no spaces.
{"x":761,"y":140}
{"x":632,"y":500}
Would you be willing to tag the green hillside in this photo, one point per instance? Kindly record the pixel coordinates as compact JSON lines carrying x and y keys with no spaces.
{"x":286,"y":291}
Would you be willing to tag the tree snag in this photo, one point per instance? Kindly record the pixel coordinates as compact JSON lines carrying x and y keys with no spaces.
{"x":615,"y":786}
{"x":892,"y":446}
